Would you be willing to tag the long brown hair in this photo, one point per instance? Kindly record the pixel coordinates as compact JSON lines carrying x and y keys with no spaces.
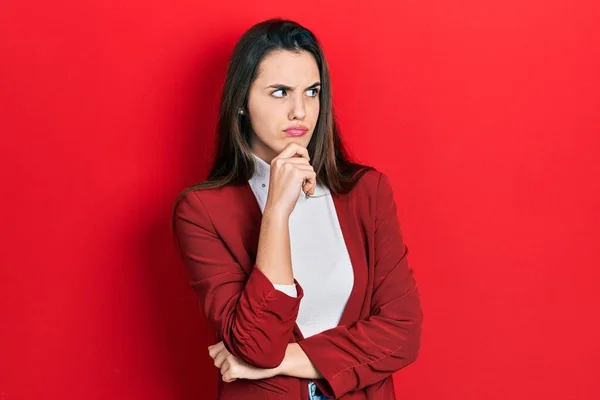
{"x":233,"y":162}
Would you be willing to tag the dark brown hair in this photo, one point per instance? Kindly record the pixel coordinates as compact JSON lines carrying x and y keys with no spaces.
{"x":233,"y":162}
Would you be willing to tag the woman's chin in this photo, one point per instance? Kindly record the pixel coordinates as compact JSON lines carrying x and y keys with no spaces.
{"x":300,"y":140}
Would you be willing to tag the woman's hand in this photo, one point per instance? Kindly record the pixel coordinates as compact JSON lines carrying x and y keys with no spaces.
{"x":233,"y":368}
{"x":290,"y":172}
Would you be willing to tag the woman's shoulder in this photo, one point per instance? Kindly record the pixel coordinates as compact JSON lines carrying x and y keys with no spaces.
{"x":372,"y":190}
{"x":209,"y":194}
{"x":369,"y":180}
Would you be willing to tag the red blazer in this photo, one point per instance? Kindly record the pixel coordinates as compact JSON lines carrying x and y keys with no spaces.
{"x":379,"y":331}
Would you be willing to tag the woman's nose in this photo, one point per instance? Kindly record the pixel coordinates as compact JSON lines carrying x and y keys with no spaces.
{"x":298,"y":110}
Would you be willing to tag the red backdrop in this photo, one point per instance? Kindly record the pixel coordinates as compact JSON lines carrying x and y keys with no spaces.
{"x":485,"y":115}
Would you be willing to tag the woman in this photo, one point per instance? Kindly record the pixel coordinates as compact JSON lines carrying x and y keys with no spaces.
{"x":311,"y":294}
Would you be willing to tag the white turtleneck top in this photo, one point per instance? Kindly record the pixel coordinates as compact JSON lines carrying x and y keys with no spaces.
{"x":320,"y":259}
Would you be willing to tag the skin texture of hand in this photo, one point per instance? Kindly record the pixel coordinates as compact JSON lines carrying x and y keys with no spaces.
{"x":290,"y":172}
{"x":233,"y":368}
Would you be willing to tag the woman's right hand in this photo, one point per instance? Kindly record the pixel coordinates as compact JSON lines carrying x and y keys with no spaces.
{"x":289,"y":171}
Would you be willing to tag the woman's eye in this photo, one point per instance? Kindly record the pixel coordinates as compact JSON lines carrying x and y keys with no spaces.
{"x":281,"y":92}
{"x":316,"y":92}
{"x":278,"y":90}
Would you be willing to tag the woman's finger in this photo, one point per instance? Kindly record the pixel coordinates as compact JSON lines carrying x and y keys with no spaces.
{"x":225,"y":366}
{"x":309,"y":180}
{"x":293,"y":149}
{"x":296,"y":160}
{"x":231,"y":370}
{"x":227,"y":373}
{"x":220,"y":358}
{"x":309,"y":189}
{"x":304,"y":167}
{"x":215,"y":349}
{"x":225,"y":378}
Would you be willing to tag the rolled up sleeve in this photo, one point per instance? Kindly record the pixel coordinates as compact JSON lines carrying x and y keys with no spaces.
{"x":252,"y":318}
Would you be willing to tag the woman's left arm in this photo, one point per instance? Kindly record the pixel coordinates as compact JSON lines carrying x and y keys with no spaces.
{"x":353,"y":357}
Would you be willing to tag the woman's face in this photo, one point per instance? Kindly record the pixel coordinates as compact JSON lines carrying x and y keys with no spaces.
{"x":284,"y":94}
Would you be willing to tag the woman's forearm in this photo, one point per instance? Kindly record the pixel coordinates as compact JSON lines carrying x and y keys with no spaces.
{"x":273,"y":256}
{"x":296,"y":363}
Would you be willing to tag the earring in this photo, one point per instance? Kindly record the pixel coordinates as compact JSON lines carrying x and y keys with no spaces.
{"x":241,"y":111}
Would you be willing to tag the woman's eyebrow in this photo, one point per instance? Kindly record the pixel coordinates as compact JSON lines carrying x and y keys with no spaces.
{"x":282,"y":86}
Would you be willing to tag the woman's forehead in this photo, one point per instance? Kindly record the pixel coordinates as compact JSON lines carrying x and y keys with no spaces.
{"x":288,"y":68}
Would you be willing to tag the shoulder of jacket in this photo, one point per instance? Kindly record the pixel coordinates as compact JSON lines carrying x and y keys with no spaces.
{"x":369,"y":182}
{"x":207,"y":196}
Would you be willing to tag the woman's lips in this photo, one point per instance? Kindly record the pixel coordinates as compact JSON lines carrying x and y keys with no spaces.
{"x":296,"y":131}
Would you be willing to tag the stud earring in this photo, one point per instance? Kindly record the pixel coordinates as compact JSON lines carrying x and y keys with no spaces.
{"x":241,"y":111}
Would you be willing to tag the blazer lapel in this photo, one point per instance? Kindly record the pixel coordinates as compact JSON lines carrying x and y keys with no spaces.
{"x":355,"y":243}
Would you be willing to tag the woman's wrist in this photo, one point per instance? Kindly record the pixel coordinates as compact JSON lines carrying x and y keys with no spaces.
{"x":296,"y":363}
{"x":284,"y":367}
{"x":275,"y":213}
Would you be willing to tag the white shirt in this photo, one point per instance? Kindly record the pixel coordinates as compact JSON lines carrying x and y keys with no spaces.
{"x":320,"y":260}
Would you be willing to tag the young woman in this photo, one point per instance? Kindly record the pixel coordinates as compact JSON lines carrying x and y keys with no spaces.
{"x":295,"y":251}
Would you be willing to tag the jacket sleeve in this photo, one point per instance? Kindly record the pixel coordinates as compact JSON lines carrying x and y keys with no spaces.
{"x":253,"y":318}
{"x":353,"y":357}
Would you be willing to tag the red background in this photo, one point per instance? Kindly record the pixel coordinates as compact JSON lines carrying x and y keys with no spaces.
{"x":485,"y":115}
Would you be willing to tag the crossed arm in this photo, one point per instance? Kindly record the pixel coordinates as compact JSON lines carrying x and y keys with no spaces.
{"x":295,"y":363}
{"x":255,"y":320}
